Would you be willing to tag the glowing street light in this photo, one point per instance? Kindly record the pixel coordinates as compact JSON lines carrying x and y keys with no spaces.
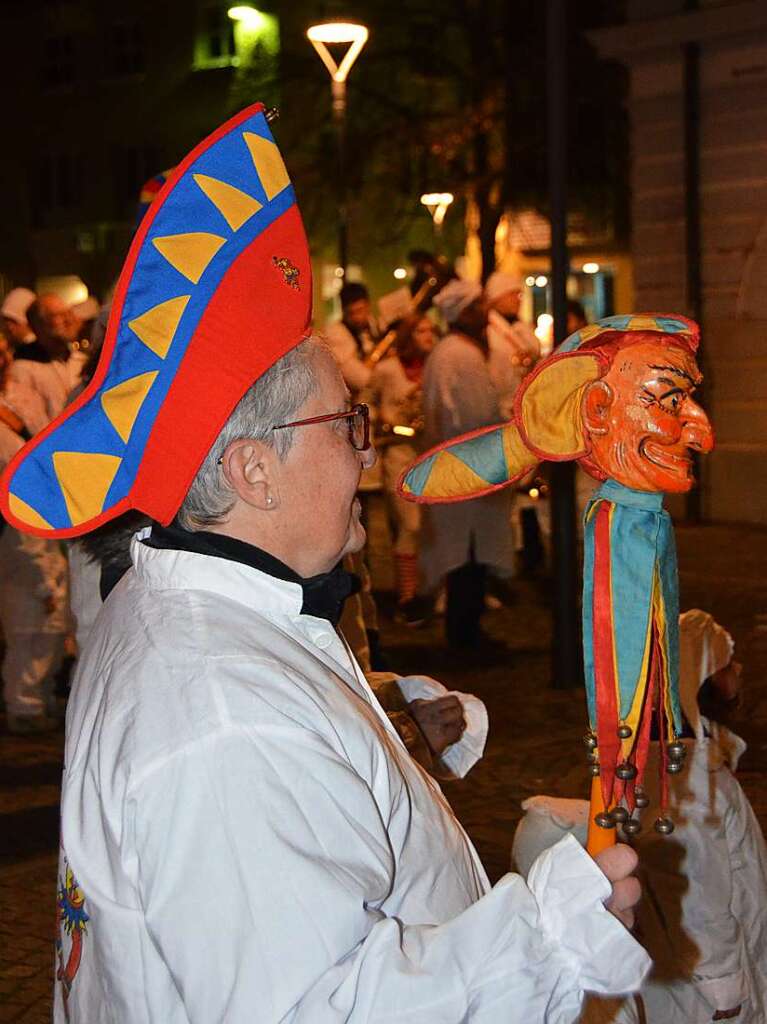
{"x":354,"y":36}
{"x":247,"y":15}
{"x":437,"y":204}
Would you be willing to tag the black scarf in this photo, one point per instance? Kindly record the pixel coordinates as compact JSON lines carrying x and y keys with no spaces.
{"x":324,"y":595}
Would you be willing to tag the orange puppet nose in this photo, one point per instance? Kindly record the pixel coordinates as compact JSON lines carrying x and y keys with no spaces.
{"x":698,"y":432}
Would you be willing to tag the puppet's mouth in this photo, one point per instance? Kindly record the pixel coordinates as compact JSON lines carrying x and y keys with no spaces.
{"x":674,"y":462}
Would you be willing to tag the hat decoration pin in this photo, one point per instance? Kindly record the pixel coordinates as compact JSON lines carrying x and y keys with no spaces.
{"x":617,"y":396}
{"x":215,"y":289}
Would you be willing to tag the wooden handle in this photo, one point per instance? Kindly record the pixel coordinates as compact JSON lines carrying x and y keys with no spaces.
{"x":598,"y":838}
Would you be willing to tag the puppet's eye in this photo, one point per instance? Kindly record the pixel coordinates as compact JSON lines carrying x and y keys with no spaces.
{"x":672,"y":401}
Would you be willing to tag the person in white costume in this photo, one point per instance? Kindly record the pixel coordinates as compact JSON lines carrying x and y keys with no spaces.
{"x":52,"y":364}
{"x":244,"y":836}
{"x":33,"y":615}
{"x":704,"y":916}
{"x":465,"y":541}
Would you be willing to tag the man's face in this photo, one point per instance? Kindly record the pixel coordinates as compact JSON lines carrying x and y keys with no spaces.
{"x":57,"y":320}
{"x":319,"y":479}
{"x":648,"y":424}
{"x":357,"y":313}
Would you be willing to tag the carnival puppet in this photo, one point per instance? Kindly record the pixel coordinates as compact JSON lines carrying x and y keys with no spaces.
{"x":617,"y":396}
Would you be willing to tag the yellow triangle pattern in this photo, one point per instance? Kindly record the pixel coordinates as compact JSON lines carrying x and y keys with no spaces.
{"x":451,"y":478}
{"x":26,"y":513}
{"x":157,"y":326}
{"x":234,"y":205}
{"x":121,"y":404}
{"x":190,"y":253}
{"x":268,"y":162}
{"x":84,"y":479}
{"x":643,"y":323}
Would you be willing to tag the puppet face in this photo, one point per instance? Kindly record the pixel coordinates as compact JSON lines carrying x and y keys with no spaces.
{"x":643,"y":421}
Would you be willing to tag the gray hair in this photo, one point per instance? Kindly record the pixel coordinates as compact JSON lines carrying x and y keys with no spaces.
{"x":275,"y":398}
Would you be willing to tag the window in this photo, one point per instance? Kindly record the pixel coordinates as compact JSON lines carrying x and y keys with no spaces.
{"x":214,"y":45}
{"x":126,"y":49}
{"x":57,"y":186}
{"x":59,"y":63}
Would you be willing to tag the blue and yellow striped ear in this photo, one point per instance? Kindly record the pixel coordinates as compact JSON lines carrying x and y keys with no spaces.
{"x":469,"y":466}
{"x":215,"y":289}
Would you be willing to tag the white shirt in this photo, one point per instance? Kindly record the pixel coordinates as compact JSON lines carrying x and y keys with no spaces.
{"x":253,"y":842}
{"x":53,"y":381}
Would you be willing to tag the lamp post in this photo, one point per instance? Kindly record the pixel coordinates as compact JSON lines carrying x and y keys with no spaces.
{"x":355,"y":36}
{"x":437,"y":204}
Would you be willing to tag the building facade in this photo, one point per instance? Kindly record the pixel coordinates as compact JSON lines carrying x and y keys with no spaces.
{"x":698,"y":108}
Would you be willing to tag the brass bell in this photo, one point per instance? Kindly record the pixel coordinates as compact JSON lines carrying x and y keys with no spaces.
{"x":626,"y":771}
{"x":594,"y":769}
{"x":676,"y":750}
{"x":641,"y":799}
{"x":619,"y":815}
{"x":664,"y":825}
{"x":604,"y":819}
{"x":632,"y":827}
{"x":624,"y":731}
{"x":590,"y":740}
{"x":674,"y":766}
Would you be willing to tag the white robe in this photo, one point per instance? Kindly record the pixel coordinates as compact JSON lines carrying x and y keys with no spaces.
{"x":458,"y":396}
{"x":254,"y":843}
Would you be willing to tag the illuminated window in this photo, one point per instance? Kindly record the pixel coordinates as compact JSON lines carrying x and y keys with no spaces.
{"x":215,"y":44}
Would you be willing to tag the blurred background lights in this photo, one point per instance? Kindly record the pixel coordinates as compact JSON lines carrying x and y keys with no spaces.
{"x":400,"y":273}
{"x":590,"y":268}
{"x":248,"y":15}
{"x":541,"y":281}
{"x":530,"y":281}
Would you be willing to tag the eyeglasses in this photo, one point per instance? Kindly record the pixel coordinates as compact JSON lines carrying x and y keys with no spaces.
{"x":358,"y":421}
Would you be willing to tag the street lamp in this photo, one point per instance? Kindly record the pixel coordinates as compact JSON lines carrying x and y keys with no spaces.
{"x":437,"y":203}
{"x":355,"y":37}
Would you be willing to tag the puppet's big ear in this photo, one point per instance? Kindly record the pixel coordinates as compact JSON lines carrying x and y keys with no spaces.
{"x":597,"y":399}
{"x":469,"y":466}
{"x":549,"y":406}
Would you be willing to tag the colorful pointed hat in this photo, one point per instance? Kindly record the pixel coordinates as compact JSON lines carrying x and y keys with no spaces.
{"x":547,"y":421}
{"x":215,"y":289}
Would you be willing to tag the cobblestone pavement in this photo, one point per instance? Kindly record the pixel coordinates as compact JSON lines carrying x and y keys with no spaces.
{"x":534,"y":744}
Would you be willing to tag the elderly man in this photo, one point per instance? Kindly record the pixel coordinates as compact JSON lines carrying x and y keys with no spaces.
{"x":244,"y":835}
{"x":51,"y":365}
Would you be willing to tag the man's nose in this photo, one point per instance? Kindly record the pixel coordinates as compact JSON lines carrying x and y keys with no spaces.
{"x":697,"y":431}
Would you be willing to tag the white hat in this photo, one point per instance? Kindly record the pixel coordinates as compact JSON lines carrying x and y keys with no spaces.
{"x":16,"y":303}
{"x":455,"y":297}
{"x":499,"y":284}
{"x":547,"y":820}
{"x":705,"y":647}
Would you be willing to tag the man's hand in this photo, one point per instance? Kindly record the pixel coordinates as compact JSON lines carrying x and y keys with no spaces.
{"x":441,"y":721}
{"x":617,"y":862}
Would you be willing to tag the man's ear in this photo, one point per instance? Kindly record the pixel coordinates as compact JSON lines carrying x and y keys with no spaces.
{"x":248,"y":467}
{"x":597,"y":401}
